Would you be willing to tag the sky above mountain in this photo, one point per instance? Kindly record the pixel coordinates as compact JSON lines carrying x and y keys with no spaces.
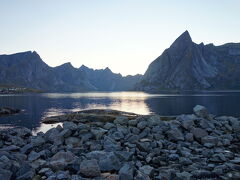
{"x":122,"y":35}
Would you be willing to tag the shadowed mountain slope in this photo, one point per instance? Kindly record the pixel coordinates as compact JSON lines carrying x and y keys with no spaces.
{"x":27,"y":69}
{"x":186,"y":65}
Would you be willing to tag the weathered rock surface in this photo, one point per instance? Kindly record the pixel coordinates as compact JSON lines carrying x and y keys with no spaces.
{"x":124,"y":146}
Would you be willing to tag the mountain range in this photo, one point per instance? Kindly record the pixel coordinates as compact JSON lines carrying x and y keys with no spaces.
{"x":27,"y":69}
{"x":185,"y":65}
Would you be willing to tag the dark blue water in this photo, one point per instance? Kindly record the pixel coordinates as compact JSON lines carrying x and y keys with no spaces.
{"x":39,"y":106}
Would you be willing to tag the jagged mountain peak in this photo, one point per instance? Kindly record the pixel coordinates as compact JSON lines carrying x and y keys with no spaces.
{"x":190,"y":66}
{"x":183,"y":40}
{"x":185,"y":36}
{"x":67,"y":65}
{"x":83,"y":67}
{"x":107,"y":69}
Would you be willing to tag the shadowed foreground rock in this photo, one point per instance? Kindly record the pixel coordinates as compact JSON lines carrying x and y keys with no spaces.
{"x":113,"y":145}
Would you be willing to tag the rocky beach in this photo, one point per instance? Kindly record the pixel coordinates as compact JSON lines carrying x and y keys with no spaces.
{"x":114,"y":145}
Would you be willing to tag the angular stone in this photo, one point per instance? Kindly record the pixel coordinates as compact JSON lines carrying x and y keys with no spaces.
{"x":111,"y":145}
{"x":175,"y":135}
{"x":117,"y":135}
{"x":53,"y":136}
{"x":189,"y":137}
{"x":70,"y":125}
{"x":109,"y":126}
{"x":185,"y":161}
{"x":202,"y":174}
{"x":209,"y":139}
{"x":90,"y":169}
{"x":96,"y":155}
{"x":21,"y":132}
{"x":200,"y":111}
{"x":61,"y":159}
{"x":73,"y":141}
{"x":25,"y":172}
{"x":147,"y":170}
{"x":63,"y":175}
{"x":37,"y":141}
{"x":144,"y":146}
{"x":142,"y":125}
{"x":65,"y":133}
{"x":5,"y":174}
{"x":109,"y":162}
{"x":11,"y":148}
{"x":199,"y":133}
{"x":132,"y":122}
{"x":187,"y":121}
{"x":235,"y":124}
{"x":124,"y":155}
{"x":121,"y":120}
{"x":126,"y":172}
{"x":27,"y":176}
{"x":141,"y":176}
{"x":184,"y":175}
{"x":173,"y":157}
{"x":236,"y":160}
{"x":154,"y":120}
{"x":98,"y":132}
{"x":33,"y":156}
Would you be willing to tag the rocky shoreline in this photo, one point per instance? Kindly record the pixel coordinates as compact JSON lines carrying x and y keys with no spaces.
{"x":113,"y":145}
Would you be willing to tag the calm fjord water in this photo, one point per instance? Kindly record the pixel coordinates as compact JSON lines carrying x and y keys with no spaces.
{"x":39,"y":106}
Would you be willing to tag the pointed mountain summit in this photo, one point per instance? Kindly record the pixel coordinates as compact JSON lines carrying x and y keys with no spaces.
{"x":183,"y":42}
{"x":186,"y":65}
{"x":184,"y":38}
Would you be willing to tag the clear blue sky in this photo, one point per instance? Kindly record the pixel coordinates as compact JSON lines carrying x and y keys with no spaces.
{"x":125,"y":35}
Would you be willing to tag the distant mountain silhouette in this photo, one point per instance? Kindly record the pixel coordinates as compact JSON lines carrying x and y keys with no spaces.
{"x":106,"y":80}
{"x":186,"y":65}
{"x":27,"y":69}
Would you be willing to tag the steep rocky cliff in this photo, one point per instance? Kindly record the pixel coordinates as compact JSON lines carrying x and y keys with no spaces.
{"x":186,"y":65}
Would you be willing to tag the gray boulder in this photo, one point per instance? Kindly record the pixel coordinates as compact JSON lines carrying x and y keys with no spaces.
{"x":5,"y":174}
{"x":61,"y":159}
{"x":126,"y":172}
{"x":200,"y":111}
{"x":175,"y":135}
{"x":199,"y":133}
{"x":147,"y":170}
{"x":90,"y":169}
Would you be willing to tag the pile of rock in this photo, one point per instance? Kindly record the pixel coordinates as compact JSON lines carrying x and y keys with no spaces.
{"x":196,"y":146}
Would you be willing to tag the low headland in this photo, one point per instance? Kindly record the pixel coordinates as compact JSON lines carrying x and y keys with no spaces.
{"x":10,"y":89}
{"x":114,"y":145}
{"x":4,"y":111}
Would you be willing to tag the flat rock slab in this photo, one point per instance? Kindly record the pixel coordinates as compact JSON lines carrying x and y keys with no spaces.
{"x":96,"y":115}
{"x":93,"y":115}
